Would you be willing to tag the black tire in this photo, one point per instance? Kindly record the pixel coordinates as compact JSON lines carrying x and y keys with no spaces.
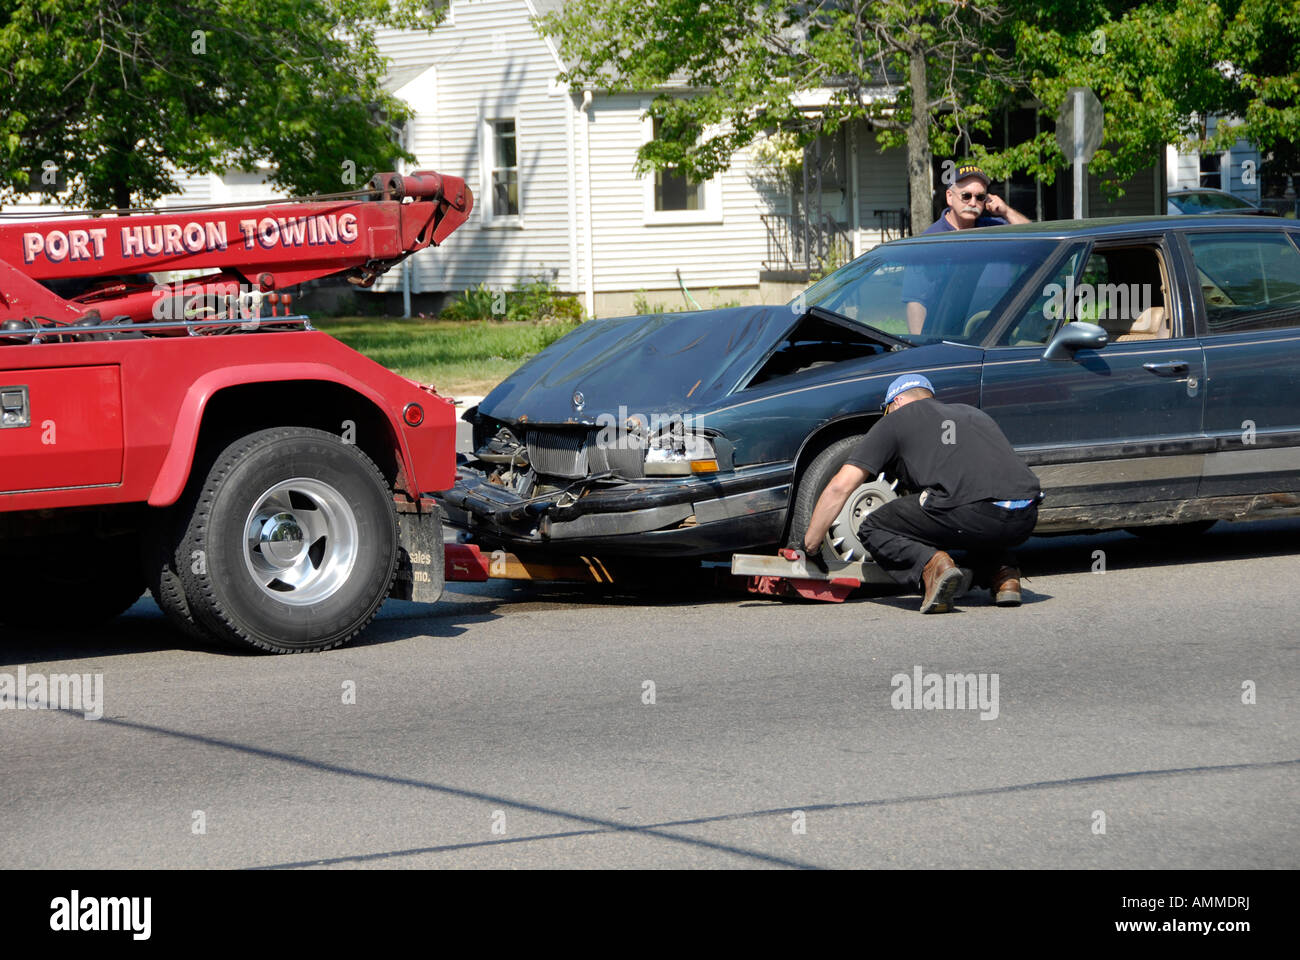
{"x":324,"y":506}
{"x":1172,"y":531}
{"x":49,"y":590}
{"x":159,"y":558}
{"x":818,"y":474}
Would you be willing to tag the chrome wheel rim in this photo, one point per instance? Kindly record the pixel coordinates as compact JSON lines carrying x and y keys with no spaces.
{"x":842,"y":539}
{"x":300,"y":541}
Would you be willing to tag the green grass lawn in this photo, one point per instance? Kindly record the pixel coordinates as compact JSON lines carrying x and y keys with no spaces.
{"x":460,"y":359}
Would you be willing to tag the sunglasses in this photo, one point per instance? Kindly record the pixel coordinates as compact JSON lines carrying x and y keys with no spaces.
{"x":977,"y":197}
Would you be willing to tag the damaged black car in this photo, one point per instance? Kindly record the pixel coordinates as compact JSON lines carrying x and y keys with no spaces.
{"x":1121,"y":358}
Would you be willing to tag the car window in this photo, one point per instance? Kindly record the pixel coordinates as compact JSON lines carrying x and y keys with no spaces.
{"x":1120,"y":288}
{"x":1249,"y":281}
{"x":961,"y":285}
{"x":1208,"y":202}
{"x":1039,"y":320}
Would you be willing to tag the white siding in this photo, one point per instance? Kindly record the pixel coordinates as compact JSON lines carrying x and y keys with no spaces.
{"x":490,"y":64}
{"x":195,"y":188}
{"x":882,"y":185}
{"x":631,"y":254}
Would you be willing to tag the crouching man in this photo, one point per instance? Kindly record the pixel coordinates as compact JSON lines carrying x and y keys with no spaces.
{"x":976,"y":495}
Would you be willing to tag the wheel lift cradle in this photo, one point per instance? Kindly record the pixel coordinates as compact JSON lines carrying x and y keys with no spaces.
{"x":785,"y":575}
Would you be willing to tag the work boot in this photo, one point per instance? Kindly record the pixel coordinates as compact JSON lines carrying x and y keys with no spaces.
{"x":942,"y":579}
{"x":1006,"y":587}
{"x":967,"y":581}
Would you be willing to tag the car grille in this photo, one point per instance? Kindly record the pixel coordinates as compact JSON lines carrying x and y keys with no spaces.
{"x":625,"y":461}
{"x":558,"y":453}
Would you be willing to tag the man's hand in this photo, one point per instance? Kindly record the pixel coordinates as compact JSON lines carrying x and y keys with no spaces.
{"x":829,"y":504}
{"x":995,"y":206}
{"x":814,"y":560}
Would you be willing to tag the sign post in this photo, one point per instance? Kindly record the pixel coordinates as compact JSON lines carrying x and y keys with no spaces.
{"x":1079,"y":125}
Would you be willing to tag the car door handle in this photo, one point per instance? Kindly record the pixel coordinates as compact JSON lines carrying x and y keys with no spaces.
{"x":1170,"y":368}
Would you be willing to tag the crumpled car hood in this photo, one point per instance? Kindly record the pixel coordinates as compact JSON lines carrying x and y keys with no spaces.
{"x":659,"y":364}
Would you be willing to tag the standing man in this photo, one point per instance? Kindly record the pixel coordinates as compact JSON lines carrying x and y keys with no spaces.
{"x":975,"y":494}
{"x":969,"y":205}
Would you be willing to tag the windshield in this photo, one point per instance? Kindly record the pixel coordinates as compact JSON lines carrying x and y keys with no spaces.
{"x":927,"y":292}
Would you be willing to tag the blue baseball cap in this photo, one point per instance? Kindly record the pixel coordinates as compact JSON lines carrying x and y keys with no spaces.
{"x":908,"y":381}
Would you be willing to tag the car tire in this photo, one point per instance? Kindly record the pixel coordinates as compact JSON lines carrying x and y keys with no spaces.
{"x":1172,"y":531}
{"x":93,"y":583}
{"x":294,"y":535}
{"x":841,"y":541}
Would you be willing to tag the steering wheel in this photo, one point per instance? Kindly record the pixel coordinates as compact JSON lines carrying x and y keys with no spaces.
{"x":973,"y":324}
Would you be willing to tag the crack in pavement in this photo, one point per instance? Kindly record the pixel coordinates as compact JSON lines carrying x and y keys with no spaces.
{"x":599,"y":826}
{"x":807,"y":808}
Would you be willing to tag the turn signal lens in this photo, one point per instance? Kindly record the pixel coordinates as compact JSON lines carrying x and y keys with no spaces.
{"x":413,"y":414}
{"x":704,"y":466}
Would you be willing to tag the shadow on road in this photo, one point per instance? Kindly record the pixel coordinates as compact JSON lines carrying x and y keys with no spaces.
{"x":143,"y":629}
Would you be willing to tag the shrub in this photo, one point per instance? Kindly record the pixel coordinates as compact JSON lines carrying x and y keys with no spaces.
{"x":532,"y":299}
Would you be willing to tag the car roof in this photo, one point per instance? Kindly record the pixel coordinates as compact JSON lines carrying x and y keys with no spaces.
{"x":1100,"y":226}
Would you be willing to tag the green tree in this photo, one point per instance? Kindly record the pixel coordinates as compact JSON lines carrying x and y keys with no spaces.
{"x":728,"y":71}
{"x":1160,"y":69}
{"x":119,"y":94}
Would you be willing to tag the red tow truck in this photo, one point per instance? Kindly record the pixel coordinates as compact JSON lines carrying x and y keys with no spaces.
{"x":267,"y":484}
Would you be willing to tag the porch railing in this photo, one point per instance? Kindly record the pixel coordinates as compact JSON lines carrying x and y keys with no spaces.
{"x":800,"y":243}
{"x":893,"y":223}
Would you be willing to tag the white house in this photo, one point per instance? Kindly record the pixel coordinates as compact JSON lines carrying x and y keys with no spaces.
{"x":556,"y":193}
{"x":552,"y":172}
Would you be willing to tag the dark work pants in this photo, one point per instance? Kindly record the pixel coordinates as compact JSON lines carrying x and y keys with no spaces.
{"x":903,"y":535}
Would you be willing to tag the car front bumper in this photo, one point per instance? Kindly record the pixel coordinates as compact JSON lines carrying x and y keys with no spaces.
{"x":691,"y":516}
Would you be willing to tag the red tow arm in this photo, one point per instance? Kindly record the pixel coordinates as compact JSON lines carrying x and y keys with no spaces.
{"x":265,"y":248}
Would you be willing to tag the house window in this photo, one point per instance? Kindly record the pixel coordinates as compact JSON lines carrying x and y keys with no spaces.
{"x":675,"y":191}
{"x":1211,"y":171}
{"x":504,"y":172}
{"x":673,"y":197}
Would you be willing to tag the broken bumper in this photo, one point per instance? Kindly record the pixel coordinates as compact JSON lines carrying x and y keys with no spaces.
{"x":687,"y":517}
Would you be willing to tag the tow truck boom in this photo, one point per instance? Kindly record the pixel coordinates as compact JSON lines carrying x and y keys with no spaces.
{"x":260,"y":249}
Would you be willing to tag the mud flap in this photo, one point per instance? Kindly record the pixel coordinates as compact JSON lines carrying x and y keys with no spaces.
{"x":420,"y":563}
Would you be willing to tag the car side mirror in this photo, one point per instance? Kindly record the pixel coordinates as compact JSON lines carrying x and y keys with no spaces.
{"x":1075,"y":336}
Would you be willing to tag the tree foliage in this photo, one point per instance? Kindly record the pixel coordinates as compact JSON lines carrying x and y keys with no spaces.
{"x":120,"y":94}
{"x":934,"y":75}
{"x":731,"y":70}
{"x":1160,"y":69}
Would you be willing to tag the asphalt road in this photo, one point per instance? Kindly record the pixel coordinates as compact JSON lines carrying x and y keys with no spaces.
{"x":508,"y":727}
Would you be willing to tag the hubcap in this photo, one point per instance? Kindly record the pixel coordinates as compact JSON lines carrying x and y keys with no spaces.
{"x":842,"y":538}
{"x":300,"y":541}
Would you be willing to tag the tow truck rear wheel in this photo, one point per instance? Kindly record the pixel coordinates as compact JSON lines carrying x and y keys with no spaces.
{"x":294,"y":539}
{"x":841,"y":541}
{"x":159,"y":559}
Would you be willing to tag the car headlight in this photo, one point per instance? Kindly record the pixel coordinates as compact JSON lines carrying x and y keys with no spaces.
{"x":680,"y":455}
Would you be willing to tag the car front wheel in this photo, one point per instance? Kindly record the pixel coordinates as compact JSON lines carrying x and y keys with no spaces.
{"x":842,"y":541}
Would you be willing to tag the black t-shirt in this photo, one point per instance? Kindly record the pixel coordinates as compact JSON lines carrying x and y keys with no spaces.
{"x":953,"y":450}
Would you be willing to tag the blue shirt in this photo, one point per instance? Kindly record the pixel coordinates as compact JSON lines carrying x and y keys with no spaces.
{"x":942,"y":224}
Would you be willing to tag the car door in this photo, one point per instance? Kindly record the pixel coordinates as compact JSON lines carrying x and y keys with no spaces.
{"x":1247,"y":299}
{"x":1116,"y":426}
